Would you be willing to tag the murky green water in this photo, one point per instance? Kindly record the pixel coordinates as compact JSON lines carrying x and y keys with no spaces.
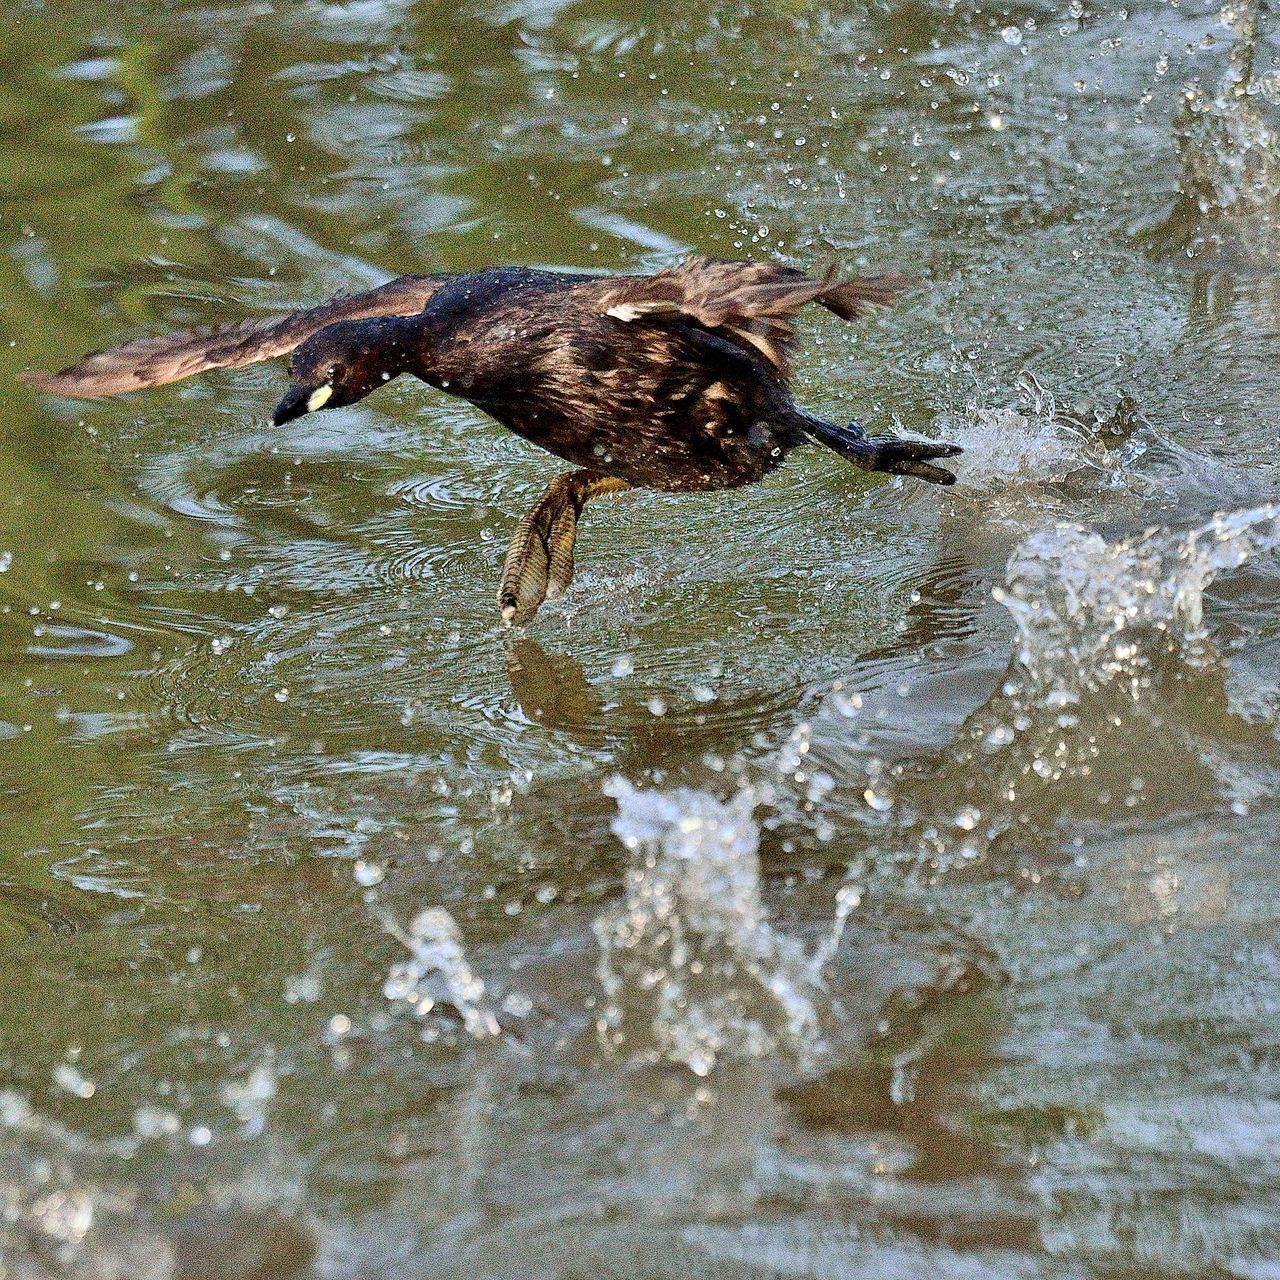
{"x":256,"y":715}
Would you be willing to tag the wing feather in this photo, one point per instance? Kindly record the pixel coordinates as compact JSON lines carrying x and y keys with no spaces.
{"x":749,"y":302}
{"x":151,"y":362}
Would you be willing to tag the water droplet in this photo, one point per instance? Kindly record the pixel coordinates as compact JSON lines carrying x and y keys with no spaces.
{"x":877,"y":801}
{"x":67,"y":1077}
{"x":300,"y":988}
{"x":152,"y":1122}
{"x":517,"y":1004}
{"x":437,"y":973}
{"x":367,"y":874}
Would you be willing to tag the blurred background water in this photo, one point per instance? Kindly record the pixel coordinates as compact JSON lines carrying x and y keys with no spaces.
{"x":847,"y":878}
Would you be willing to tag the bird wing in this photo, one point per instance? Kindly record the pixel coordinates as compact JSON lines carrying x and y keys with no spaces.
{"x":151,"y":362}
{"x":748,"y":302}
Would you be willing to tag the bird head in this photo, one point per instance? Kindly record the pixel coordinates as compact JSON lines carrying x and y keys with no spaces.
{"x":339,"y":365}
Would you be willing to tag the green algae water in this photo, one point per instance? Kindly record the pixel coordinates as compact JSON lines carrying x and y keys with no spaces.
{"x":846,"y":878}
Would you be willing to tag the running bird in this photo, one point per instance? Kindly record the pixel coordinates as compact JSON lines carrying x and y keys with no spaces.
{"x":675,"y":381}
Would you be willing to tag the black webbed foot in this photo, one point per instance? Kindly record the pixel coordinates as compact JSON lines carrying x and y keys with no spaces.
{"x":910,"y":458}
{"x":882,"y":453}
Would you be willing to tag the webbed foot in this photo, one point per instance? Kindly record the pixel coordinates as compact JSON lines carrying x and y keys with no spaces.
{"x":910,"y":458}
{"x":539,"y":561}
{"x":882,"y":453}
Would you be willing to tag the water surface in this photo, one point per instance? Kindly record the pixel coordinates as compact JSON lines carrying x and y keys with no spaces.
{"x":848,"y":877}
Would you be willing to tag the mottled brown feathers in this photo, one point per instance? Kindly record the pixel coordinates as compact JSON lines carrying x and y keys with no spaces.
{"x":751,"y":302}
{"x":676,"y":381}
{"x":856,"y":297}
{"x":151,"y":362}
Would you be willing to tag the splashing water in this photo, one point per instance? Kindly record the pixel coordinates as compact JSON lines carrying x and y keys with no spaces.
{"x":1228,"y":148}
{"x":1022,"y":445}
{"x":1027,"y":443}
{"x":689,"y":959}
{"x":249,"y":1097}
{"x":1090,"y":613}
{"x":1101,"y":704}
{"x":62,"y":1213}
{"x":1230,"y":154}
{"x":438,"y":974}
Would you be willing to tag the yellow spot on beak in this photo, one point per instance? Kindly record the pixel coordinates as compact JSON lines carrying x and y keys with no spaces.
{"x":319,"y":398}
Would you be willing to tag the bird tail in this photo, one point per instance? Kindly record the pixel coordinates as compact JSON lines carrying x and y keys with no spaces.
{"x":882,"y":453}
{"x":853,"y":298}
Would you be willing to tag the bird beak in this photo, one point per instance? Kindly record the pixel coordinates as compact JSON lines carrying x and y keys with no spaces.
{"x":300,"y":400}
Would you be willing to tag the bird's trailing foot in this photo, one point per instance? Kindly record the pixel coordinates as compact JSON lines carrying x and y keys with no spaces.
{"x":910,"y":458}
{"x":884,"y":453}
{"x":539,"y":562}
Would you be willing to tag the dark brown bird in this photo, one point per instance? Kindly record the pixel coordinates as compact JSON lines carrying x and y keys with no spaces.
{"x":675,"y":381}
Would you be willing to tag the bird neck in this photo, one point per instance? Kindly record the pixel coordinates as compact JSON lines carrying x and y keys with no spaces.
{"x":407,"y":344}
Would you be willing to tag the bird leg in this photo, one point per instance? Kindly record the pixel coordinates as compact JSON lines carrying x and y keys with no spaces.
{"x":882,"y":453}
{"x":906,"y":458}
{"x":539,"y":563}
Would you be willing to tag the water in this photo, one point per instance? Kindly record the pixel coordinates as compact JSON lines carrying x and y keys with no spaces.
{"x":846,"y":877}
{"x":690,"y":942}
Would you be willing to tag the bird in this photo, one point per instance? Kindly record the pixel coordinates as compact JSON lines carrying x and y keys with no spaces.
{"x":678,"y":380}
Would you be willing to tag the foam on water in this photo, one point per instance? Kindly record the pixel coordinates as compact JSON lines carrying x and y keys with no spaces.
{"x":692,"y":969}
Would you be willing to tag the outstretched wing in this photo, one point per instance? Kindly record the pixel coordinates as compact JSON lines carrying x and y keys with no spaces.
{"x":151,"y":362}
{"x":749,"y":303}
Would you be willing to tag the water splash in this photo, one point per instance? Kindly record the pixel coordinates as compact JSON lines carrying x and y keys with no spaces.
{"x":437,"y":976}
{"x":1012,"y":445}
{"x":1115,"y":695}
{"x":57,"y":1218}
{"x":1033,"y":441}
{"x":690,"y":964}
{"x":249,"y":1098}
{"x":1229,"y":150}
{"x":1091,"y":613}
